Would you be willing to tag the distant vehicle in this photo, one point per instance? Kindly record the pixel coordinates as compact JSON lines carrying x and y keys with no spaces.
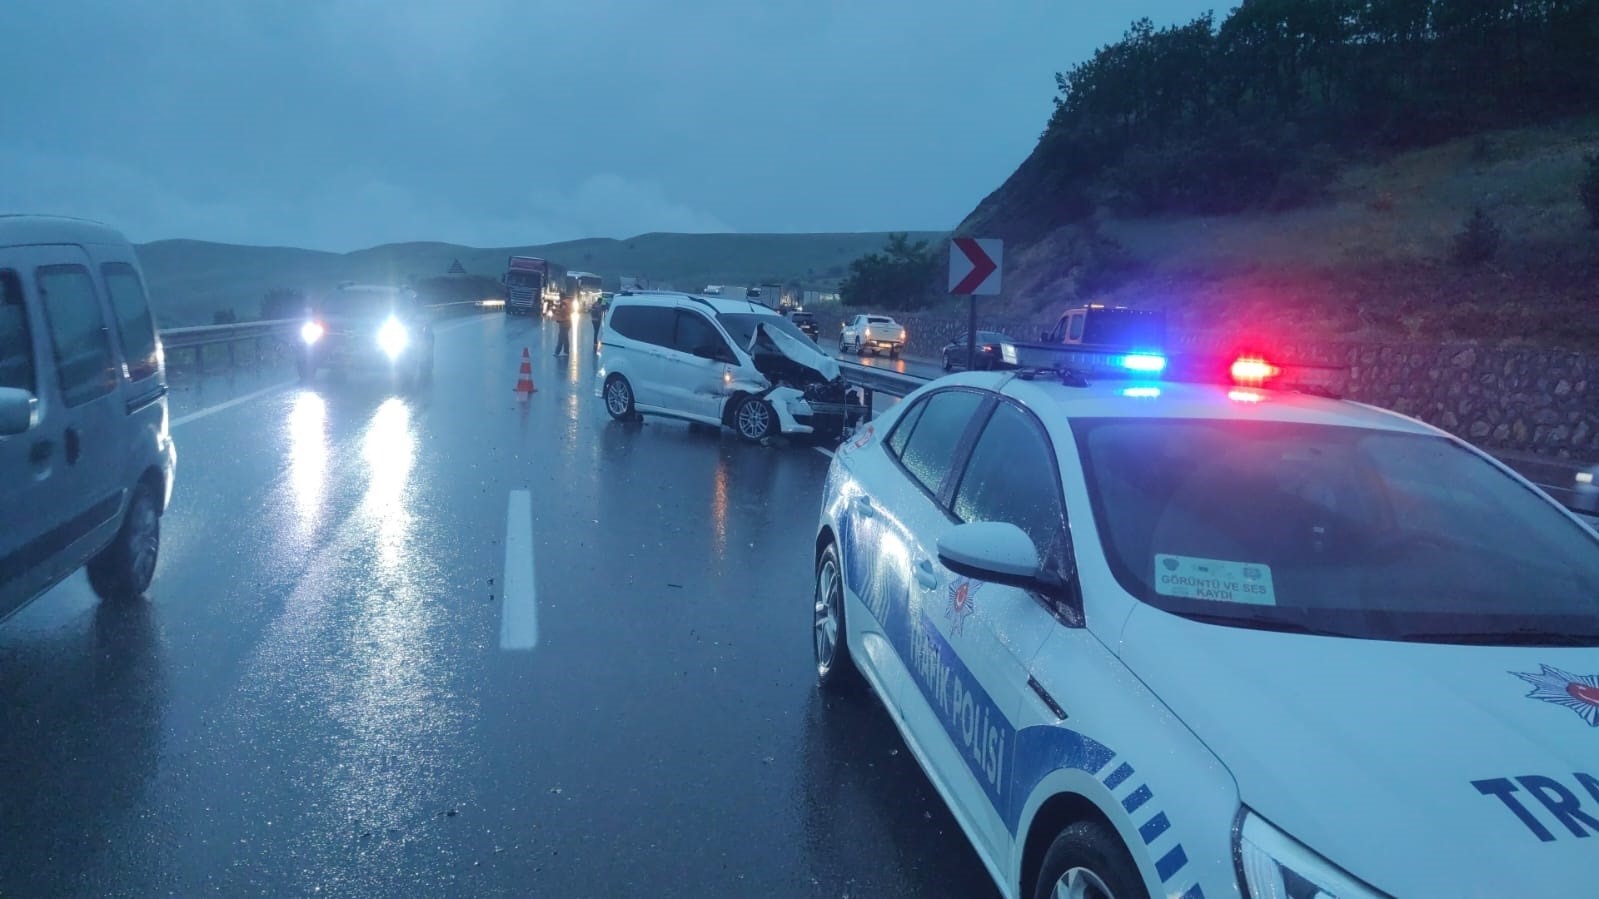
{"x":872,"y":334}
{"x":1087,"y":327}
{"x":530,"y":283}
{"x":713,"y":290}
{"x":806,"y":322}
{"x":86,"y":458}
{"x":988,"y":344}
{"x":371,"y":327}
{"x":721,"y":362}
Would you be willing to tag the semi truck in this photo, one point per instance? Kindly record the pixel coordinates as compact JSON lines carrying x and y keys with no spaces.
{"x":531,"y":283}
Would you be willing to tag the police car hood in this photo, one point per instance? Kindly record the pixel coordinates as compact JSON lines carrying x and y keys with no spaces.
{"x":1423,"y":769}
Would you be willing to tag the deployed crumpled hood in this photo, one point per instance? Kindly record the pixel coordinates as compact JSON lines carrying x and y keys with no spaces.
{"x":803,"y":352}
{"x":1400,"y":762}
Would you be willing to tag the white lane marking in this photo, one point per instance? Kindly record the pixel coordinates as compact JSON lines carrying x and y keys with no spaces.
{"x":212,"y":410}
{"x":826,"y":452}
{"x":447,"y":327}
{"x":519,"y":613}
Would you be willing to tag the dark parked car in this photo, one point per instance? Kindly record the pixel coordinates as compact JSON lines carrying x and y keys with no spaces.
{"x":805,"y":321}
{"x":987,"y":351}
{"x":371,"y":327}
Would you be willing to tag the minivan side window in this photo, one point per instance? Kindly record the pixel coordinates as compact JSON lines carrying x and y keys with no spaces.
{"x":77,"y":333}
{"x":134,"y":322}
{"x":1076,"y":327}
{"x":16,"y":342}
{"x":930,"y":450}
{"x":694,"y":332}
{"x":650,"y":324}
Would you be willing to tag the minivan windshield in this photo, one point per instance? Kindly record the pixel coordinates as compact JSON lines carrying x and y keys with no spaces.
{"x":1338,"y":530}
{"x":364,"y":303}
{"x":741,"y":327}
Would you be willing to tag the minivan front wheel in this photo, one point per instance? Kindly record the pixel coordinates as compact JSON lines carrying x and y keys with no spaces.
{"x":124,"y":569}
{"x":755,"y":420}
{"x":619,"y":397}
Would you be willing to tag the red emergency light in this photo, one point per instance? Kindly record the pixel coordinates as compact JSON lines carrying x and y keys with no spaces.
{"x":1253,"y":371}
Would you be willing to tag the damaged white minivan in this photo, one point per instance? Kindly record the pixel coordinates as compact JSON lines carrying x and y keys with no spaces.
{"x":720,"y":361}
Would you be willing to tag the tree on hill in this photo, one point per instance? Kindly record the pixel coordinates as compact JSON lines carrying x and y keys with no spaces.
{"x":1211,"y":118}
{"x":897,"y":277}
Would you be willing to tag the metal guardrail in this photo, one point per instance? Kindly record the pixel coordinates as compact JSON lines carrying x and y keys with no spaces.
{"x":870,"y":379}
{"x":198,"y":337}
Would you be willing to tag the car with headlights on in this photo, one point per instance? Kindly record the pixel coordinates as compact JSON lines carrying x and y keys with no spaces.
{"x":872,"y":334}
{"x":368,"y":327}
{"x":1184,"y":638}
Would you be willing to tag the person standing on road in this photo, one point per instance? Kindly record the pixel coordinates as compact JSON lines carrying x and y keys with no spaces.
{"x":597,"y":315}
{"x":563,"y":322}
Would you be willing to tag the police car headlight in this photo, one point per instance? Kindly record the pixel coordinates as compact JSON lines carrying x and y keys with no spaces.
{"x":1007,"y":351}
{"x":1274,"y":865}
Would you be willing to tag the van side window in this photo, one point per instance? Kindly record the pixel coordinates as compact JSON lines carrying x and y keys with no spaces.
{"x":695,"y":331}
{"x":77,"y":333}
{"x":16,"y":344}
{"x":649,"y":324}
{"x":134,"y":323}
{"x":1075,"y":331}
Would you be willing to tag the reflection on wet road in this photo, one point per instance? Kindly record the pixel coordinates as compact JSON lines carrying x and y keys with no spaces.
{"x":313,"y":699}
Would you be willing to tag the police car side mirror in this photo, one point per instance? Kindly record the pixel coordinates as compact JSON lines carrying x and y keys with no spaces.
{"x":993,"y":551}
{"x":17,"y":410}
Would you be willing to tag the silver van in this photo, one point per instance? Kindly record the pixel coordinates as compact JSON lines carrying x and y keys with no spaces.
{"x":86,"y":459}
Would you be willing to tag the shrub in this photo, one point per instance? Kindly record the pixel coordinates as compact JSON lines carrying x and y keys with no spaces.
{"x":1478,"y":241}
{"x":1589,"y":188}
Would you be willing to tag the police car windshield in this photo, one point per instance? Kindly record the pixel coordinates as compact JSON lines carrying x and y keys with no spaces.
{"x":741,"y":327}
{"x":1347,"y":531}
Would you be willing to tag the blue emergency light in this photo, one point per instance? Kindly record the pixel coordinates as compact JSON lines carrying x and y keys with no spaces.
{"x":1147,"y":363}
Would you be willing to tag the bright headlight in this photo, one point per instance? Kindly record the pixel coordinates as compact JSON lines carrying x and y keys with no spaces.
{"x":1276,"y":866}
{"x":311,"y":332}
{"x":392,"y":338}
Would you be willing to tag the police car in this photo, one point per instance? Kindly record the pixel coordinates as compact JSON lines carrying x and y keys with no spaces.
{"x":1161,"y":637}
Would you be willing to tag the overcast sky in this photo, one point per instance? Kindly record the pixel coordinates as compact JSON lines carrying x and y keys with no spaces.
{"x":340,"y":124}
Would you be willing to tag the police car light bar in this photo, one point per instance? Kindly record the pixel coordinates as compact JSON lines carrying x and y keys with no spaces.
{"x":1256,"y":371}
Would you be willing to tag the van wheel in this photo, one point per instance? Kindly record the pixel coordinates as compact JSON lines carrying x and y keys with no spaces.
{"x":835,"y":670}
{"x":754,"y":419}
{"x":619,"y":398}
{"x":124,"y":569}
{"x":1087,"y":861}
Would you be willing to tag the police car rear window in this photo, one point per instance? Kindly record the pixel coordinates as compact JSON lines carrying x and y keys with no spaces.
{"x":1346,"y":531}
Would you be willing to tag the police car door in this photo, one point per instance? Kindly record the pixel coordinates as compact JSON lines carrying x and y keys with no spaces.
{"x":957,"y":638}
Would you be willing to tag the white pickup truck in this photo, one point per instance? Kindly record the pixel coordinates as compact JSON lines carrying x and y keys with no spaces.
{"x":872,"y":334}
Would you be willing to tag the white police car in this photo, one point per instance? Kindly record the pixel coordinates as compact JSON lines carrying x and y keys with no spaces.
{"x":1187,"y":639}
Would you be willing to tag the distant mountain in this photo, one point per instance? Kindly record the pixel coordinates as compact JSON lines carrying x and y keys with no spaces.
{"x":190,"y":280}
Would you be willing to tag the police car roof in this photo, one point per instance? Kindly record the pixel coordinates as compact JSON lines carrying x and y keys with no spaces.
{"x":25,"y":230}
{"x":1110,"y":398}
{"x":672,"y":298}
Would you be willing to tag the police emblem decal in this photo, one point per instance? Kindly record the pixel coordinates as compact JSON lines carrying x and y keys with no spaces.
{"x":1580,"y":693}
{"x":962,"y":594}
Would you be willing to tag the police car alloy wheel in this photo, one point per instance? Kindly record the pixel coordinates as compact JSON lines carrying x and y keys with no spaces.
{"x":618,"y":397}
{"x":754,"y":419}
{"x":828,"y":636}
{"x":1087,"y":861}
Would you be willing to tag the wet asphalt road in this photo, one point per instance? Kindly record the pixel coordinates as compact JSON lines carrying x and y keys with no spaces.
{"x":314,"y":697}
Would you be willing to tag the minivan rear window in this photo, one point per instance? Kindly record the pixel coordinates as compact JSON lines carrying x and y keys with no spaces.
{"x":134,"y":323}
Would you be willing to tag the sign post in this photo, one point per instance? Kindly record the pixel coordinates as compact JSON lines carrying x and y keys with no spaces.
{"x":974,"y":270}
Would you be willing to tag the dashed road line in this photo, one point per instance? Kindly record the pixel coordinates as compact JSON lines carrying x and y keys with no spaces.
{"x":238,"y":400}
{"x":519,"y":614}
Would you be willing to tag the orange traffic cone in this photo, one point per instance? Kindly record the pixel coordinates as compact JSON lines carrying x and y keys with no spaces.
{"x":524,"y":381}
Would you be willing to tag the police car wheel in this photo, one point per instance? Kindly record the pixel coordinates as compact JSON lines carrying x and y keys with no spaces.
{"x":754,"y":419}
{"x":835,"y":672}
{"x":1087,"y":861}
{"x":619,"y":397}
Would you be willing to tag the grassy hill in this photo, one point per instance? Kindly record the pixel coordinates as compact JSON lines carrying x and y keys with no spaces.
{"x":1372,"y":259}
{"x":191,"y":279}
